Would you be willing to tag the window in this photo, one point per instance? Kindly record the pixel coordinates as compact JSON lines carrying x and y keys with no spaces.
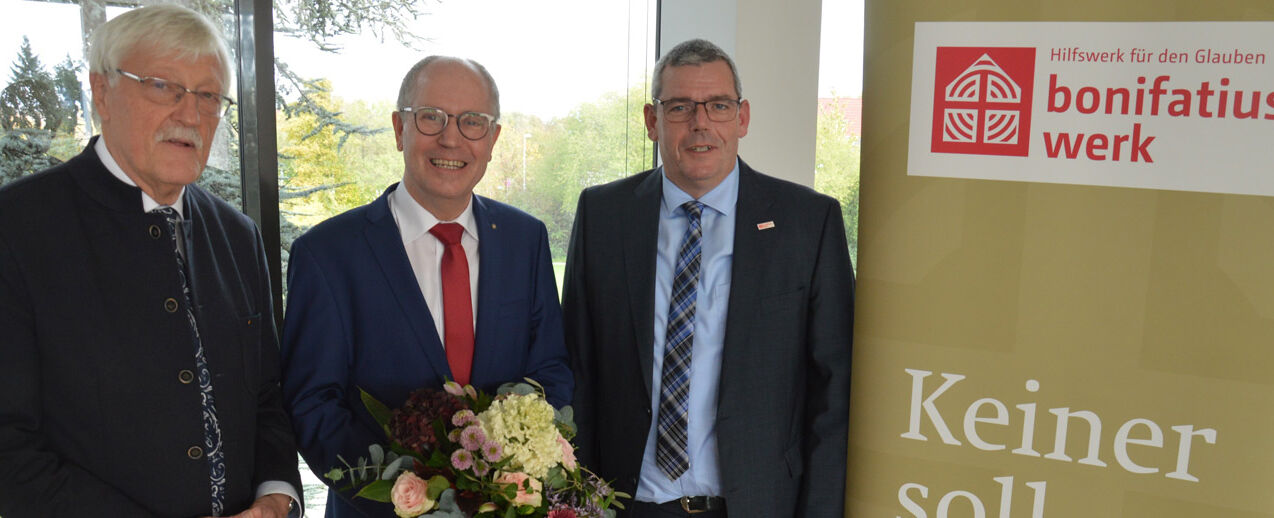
{"x":572,"y":77}
{"x":45,"y":101}
{"x":840,"y":105}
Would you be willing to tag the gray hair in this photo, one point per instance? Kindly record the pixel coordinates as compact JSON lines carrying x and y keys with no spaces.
{"x":165,"y":27}
{"x":693,"y":52}
{"x":410,"y":80}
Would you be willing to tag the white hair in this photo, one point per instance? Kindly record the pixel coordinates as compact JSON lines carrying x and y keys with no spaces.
{"x":163,"y":28}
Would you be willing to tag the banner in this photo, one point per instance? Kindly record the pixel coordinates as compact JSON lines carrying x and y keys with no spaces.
{"x":1066,"y":279}
{"x":1184,"y":106}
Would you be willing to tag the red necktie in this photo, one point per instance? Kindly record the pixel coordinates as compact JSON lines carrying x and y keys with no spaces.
{"x":457,"y":308}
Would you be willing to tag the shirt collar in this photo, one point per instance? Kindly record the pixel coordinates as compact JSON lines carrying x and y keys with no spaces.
{"x":148,"y":203}
{"x":721,"y":198}
{"x":414,"y":221}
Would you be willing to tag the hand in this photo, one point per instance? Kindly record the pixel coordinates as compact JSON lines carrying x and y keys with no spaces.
{"x":269,"y":506}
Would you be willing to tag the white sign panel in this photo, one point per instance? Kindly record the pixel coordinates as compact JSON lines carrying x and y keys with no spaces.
{"x":1179,"y":106}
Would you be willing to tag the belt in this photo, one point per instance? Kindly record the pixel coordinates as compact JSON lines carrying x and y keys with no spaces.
{"x":697,"y":504}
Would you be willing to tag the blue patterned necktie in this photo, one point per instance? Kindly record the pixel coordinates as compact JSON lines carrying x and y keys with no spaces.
{"x":674,"y":385}
{"x":211,"y":428}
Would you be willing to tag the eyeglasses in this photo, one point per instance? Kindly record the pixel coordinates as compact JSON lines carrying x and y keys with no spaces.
{"x":717,"y":110}
{"x":163,"y":91}
{"x":431,"y":121}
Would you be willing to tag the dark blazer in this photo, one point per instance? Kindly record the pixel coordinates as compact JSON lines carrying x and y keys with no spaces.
{"x":356,"y":319}
{"x":96,"y":416}
{"x":783,"y":403}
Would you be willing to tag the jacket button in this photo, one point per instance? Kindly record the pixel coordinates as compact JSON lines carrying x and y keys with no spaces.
{"x":170,"y":305}
{"x":194,"y":452}
{"x":185,"y":377}
{"x":155,"y":232}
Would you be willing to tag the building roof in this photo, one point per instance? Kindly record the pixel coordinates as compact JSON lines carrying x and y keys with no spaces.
{"x":850,"y":107}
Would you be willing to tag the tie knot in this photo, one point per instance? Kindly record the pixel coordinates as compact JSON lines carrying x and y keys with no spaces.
{"x":448,"y":233}
{"x":693,"y":208}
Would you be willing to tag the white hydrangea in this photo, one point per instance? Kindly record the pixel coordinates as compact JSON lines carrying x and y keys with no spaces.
{"x":523,"y":425}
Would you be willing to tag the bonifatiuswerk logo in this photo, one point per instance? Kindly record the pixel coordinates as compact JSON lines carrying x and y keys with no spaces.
{"x":982,"y":100}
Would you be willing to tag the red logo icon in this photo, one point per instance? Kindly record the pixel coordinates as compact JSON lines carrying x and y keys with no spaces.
{"x":982,"y":100}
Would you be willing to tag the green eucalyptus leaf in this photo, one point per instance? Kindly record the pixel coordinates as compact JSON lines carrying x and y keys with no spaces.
{"x":521,"y":389}
{"x":377,"y":453}
{"x":336,"y":475}
{"x":447,"y":507}
{"x":565,"y":414}
{"x":394,"y":467}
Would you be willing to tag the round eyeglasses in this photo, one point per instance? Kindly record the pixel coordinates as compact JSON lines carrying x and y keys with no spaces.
{"x":717,"y":110}
{"x":431,"y":121}
{"x":163,"y":91}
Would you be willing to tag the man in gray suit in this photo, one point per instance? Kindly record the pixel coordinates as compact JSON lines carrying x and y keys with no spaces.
{"x":709,"y":311}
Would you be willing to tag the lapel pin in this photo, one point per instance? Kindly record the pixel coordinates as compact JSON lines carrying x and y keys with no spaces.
{"x":765,"y":226}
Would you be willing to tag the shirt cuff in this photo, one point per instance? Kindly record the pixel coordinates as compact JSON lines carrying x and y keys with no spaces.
{"x":279,"y":487}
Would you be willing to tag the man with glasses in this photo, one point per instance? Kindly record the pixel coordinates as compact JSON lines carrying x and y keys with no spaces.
{"x":427,"y":283}
{"x":139,"y":365}
{"x":708,"y":313}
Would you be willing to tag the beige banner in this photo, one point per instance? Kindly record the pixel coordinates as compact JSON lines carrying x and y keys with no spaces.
{"x":1043,"y":350}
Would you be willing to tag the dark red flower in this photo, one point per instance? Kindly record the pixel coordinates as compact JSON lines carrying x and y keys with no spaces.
{"x":412,"y":425}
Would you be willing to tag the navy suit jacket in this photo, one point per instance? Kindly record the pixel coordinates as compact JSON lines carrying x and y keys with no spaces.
{"x":783,"y":407}
{"x":97,"y":408}
{"x":356,"y":319}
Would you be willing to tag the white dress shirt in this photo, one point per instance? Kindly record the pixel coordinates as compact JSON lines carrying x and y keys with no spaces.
{"x":424,"y":251}
{"x":148,"y":203}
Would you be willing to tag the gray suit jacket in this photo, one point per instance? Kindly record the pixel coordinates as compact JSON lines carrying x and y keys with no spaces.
{"x":783,"y":406}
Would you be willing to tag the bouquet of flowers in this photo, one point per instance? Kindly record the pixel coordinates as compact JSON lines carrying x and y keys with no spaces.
{"x":460,"y":453}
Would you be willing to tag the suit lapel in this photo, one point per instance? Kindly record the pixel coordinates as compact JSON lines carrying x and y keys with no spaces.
{"x":491,"y":257}
{"x":641,"y":236}
{"x":386,"y":244}
{"x":754,"y":251}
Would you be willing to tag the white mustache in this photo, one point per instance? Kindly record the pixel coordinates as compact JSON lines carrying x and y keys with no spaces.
{"x":180,"y":133}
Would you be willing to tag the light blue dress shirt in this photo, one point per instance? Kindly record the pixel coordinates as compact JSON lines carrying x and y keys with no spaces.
{"x":717,"y":221}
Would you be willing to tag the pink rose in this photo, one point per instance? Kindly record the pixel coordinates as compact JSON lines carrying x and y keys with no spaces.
{"x":568,"y":454}
{"x":410,"y":496}
{"x":524,"y":497}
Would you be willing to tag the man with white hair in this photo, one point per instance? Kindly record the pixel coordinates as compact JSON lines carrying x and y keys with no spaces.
{"x":139,"y":365}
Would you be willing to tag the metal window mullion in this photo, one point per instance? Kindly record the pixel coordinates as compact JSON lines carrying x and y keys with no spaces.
{"x":257,"y":132}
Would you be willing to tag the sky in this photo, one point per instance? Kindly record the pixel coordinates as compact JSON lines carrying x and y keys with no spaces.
{"x":547,"y":56}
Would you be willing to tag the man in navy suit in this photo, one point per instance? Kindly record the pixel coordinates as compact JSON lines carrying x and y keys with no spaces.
{"x":382,"y":298}
{"x":708,"y":312}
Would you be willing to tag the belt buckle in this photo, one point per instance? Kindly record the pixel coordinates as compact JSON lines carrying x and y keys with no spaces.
{"x":685,"y":506}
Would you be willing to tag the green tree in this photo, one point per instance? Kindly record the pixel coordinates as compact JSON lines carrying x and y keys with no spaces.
{"x":836,"y":163}
{"x":33,"y":116}
{"x":30,"y":101}
{"x":597,"y":142}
